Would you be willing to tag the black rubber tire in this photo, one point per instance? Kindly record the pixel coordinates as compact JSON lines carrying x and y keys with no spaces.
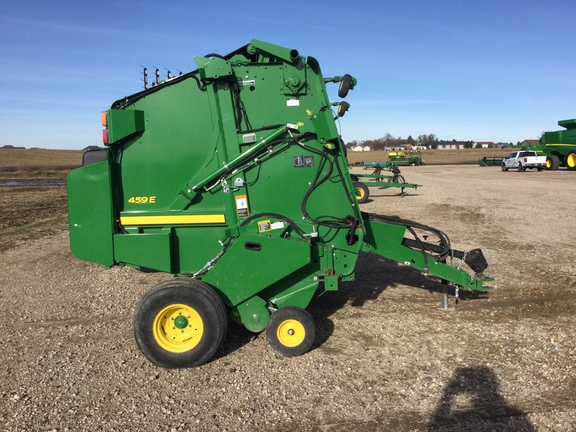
{"x":291,"y":331}
{"x":153,"y":336}
{"x":504,"y":168}
{"x":362,"y":192}
{"x":571,"y":160}
{"x":342,"y":108}
{"x":344,"y":87}
{"x":552,"y":162}
{"x":521,"y":168}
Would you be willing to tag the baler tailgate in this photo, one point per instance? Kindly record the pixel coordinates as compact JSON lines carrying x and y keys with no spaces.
{"x":89,"y":210}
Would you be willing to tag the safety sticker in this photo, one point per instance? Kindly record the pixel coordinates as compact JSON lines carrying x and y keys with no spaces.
{"x":303,"y":161}
{"x":266,"y":225}
{"x":242,"y":206}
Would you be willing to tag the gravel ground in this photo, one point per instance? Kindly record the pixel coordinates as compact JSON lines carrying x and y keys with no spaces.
{"x":387,"y":356}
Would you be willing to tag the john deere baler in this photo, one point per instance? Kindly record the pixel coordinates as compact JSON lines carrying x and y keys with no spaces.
{"x":233,"y":178}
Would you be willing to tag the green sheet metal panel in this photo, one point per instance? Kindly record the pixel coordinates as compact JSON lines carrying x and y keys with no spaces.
{"x":149,"y":251}
{"x":90,"y":213}
{"x":254,"y":262}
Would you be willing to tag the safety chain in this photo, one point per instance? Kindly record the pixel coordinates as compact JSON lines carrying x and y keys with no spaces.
{"x":462,"y":261}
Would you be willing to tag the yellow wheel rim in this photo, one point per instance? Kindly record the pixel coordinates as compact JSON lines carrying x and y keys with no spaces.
{"x":571,"y":160}
{"x":178,"y":328}
{"x":291,"y":333}
{"x":548,"y":163}
{"x":359,"y":193}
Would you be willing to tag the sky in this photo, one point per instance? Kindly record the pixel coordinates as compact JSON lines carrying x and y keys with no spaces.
{"x":484,"y":70}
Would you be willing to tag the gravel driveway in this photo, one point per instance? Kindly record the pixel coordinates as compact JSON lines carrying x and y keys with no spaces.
{"x":387,"y":355}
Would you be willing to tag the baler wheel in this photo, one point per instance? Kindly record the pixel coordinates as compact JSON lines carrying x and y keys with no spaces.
{"x":291,"y":331}
{"x":362,"y":192}
{"x":180,"y":323}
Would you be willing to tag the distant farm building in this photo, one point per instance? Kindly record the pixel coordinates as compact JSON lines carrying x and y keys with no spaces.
{"x":530,"y":142}
{"x":360,"y":148}
{"x":450,"y":145}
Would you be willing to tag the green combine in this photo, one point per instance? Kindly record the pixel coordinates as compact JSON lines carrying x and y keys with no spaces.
{"x":233,"y":179}
{"x":407,"y":158}
{"x":559,"y":147}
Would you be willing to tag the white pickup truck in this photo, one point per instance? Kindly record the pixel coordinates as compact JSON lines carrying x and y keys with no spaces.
{"x":524,"y":159}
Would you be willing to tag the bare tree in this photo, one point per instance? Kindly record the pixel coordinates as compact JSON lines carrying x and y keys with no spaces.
{"x":428,"y":140}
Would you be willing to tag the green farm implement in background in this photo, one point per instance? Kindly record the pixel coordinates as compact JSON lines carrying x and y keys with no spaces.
{"x":395,"y":179}
{"x":233,"y":178}
{"x":490,"y":161}
{"x":559,"y":147}
{"x":398,"y":158}
{"x":406,"y":158}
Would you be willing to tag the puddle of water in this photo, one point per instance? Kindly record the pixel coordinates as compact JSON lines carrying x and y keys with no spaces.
{"x":34,"y":182}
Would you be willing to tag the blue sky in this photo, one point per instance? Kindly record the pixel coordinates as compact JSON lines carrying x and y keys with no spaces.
{"x":468,"y":70}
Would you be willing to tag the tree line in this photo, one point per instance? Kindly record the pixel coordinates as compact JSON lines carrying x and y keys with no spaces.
{"x":388,"y":141}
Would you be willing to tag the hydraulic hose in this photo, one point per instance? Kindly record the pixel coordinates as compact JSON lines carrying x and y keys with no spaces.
{"x":440,"y":250}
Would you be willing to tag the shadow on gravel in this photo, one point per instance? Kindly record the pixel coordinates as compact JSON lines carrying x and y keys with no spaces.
{"x":472,"y":402}
{"x":374,"y":275}
{"x":237,"y":337}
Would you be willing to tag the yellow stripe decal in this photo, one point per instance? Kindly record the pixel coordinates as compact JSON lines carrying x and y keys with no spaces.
{"x":561,"y":145}
{"x":172,"y":220}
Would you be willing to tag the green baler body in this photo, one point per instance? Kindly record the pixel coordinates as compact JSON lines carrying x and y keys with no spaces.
{"x":234,"y":174}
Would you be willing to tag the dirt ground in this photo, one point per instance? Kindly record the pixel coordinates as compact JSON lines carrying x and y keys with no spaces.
{"x":387,"y":355}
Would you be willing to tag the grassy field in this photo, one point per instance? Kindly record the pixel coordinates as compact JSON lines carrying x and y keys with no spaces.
{"x":28,"y":212}
{"x":434,"y":157}
{"x":37,"y":163}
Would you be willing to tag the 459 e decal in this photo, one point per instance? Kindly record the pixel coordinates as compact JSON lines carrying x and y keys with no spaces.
{"x":142,"y":200}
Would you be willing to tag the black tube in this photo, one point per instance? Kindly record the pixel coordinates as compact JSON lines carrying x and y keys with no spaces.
{"x":414,"y":244}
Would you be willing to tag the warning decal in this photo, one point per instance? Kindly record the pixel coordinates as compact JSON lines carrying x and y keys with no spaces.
{"x":242,"y":206}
